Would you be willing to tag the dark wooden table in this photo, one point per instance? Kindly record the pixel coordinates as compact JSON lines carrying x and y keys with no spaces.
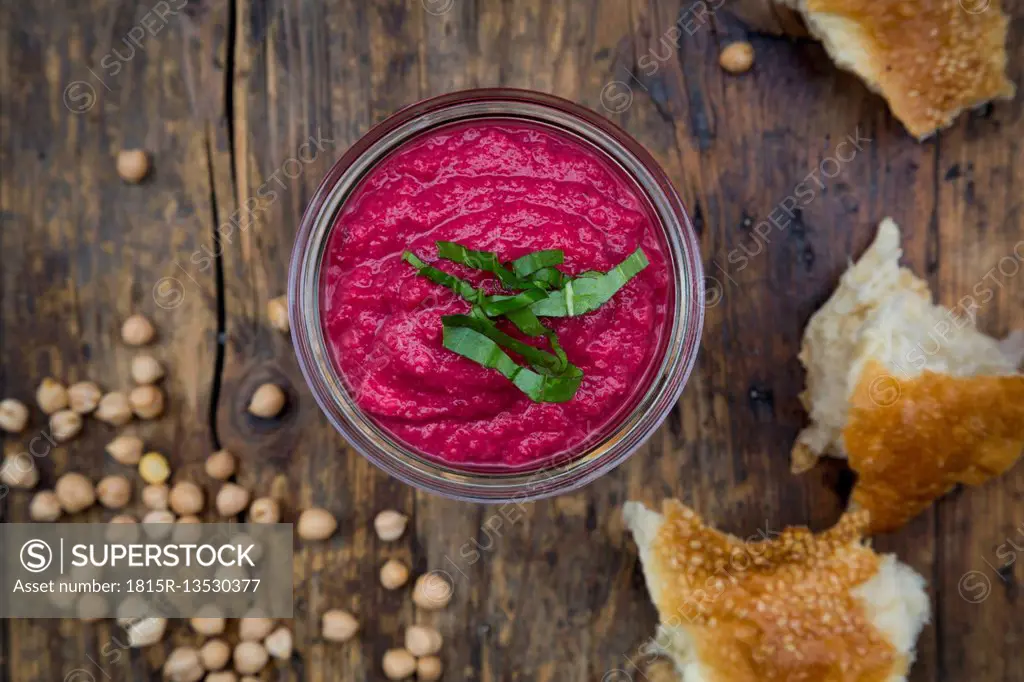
{"x":225,"y":92}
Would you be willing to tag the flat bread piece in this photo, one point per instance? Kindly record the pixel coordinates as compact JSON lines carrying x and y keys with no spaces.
{"x":890,"y":374}
{"x":929,"y":59}
{"x":794,"y":606}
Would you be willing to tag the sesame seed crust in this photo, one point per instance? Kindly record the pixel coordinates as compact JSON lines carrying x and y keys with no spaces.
{"x":780,"y":609}
{"x":934,"y":432}
{"x":930,"y":59}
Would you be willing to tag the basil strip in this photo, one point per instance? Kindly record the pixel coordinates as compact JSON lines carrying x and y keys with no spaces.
{"x":459,"y":286}
{"x":481,"y":260}
{"x":590,"y":291}
{"x":526,"y":322}
{"x":540,"y":388}
{"x":527,"y":265}
{"x":542,"y":360}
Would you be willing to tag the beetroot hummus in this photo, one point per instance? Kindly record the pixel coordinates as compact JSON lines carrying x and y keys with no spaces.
{"x":510,"y":188}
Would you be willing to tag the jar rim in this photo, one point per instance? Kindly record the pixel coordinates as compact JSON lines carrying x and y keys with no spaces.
{"x":384,"y":450}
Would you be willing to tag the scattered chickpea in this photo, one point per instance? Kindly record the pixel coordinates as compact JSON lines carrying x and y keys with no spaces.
{"x":316,"y":524}
{"x":84,"y":396}
{"x":51,"y":396}
{"x":215,"y":654}
{"x":13,"y":416}
{"x":393,"y":574}
{"x":264,"y":510}
{"x":146,"y":369}
{"x":737,"y":57}
{"x":338,"y":625}
{"x":183,"y":665}
{"x":232,"y":499}
{"x":254,"y":629}
{"x":279,"y":643}
{"x":156,"y":497}
{"x":220,"y":465}
{"x":65,"y":425}
{"x":186,"y":498}
{"x":277,"y":311}
{"x":158,"y":524}
{"x":390,"y":525}
{"x":208,"y":626}
{"x":422,"y":641}
{"x":137,"y":330}
{"x":44,"y":506}
{"x":126,"y":449}
{"x":153,"y":468}
{"x":431,"y":592}
{"x":114,"y":409}
{"x":132,"y":165}
{"x":75,"y":492}
{"x":146,"y":632}
{"x":123,"y":529}
{"x":267,"y":402}
{"x":19,"y":471}
{"x":147,"y":402}
{"x":428,"y":669}
{"x":250,"y":658}
{"x":114,"y":492}
{"x":398,"y":664}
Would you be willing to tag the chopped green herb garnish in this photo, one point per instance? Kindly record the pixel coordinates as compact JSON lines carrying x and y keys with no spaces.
{"x":541,"y":388}
{"x":590,"y":291}
{"x":544,"y":291}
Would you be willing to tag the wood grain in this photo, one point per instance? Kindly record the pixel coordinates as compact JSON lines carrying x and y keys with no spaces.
{"x":226,"y":94}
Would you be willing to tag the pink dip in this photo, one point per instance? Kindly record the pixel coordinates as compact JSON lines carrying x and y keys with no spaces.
{"x":508,"y":187}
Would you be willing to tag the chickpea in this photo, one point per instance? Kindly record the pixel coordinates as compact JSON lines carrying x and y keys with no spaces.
{"x":220,"y":465}
{"x":264,"y":510}
{"x":232,"y":499}
{"x":279,"y":643}
{"x":737,"y":57}
{"x":398,"y":664}
{"x":183,"y":665}
{"x":422,"y":641}
{"x":126,"y":449}
{"x":146,"y":369}
{"x":222,"y":676}
{"x":146,"y":632}
{"x":137,"y":330}
{"x":208,"y":626}
{"x":215,"y":654}
{"x":147,"y":402}
{"x":428,"y":669}
{"x":84,"y":396}
{"x":114,"y":492}
{"x":277,"y":311}
{"x":133,"y":165}
{"x":92,"y":607}
{"x":267,"y":402}
{"x":390,"y":525}
{"x":153,"y":468}
{"x":65,"y":425}
{"x":123,"y":529}
{"x":338,"y":625}
{"x":393,"y":574}
{"x":51,"y":396}
{"x":13,"y":416}
{"x":19,"y":471}
{"x":250,"y":658}
{"x":432,"y":592}
{"x":316,"y":524}
{"x":186,"y":498}
{"x":254,"y":629}
{"x":156,"y":497}
{"x":158,"y":524}
{"x":114,"y":409}
{"x":44,"y":506}
{"x":75,"y":492}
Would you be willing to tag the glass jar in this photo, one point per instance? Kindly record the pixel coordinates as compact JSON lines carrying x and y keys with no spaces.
{"x":602,"y":453}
